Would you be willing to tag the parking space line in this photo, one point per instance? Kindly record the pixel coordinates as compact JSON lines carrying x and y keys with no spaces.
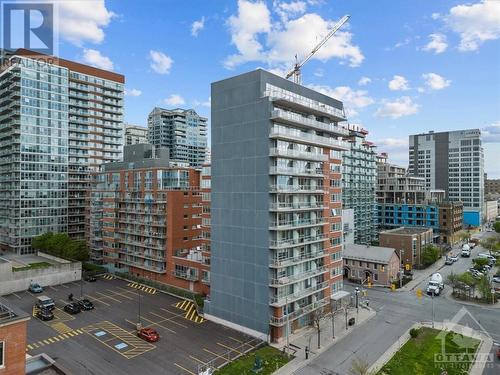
{"x":241,"y":342}
{"x":16,"y":295}
{"x":215,"y":354}
{"x":120,"y":294}
{"x":97,"y":299}
{"x":105,"y":296}
{"x":168,"y":319}
{"x":158,"y":324}
{"x":197,"y":360}
{"x":230,"y":348}
{"x":64,"y":286}
{"x":51,"y":287}
{"x":185,"y":369}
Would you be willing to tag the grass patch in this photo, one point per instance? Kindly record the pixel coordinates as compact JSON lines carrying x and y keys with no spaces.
{"x":272,"y":360}
{"x":417,"y":356}
{"x":93,"y":268}
{"x":32,"y":266}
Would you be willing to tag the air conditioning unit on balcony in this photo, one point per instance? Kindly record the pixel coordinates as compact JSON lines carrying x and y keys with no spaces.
{"x":283,"y":280}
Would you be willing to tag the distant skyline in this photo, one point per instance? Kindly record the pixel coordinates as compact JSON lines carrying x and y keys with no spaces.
{"x":412,"y":68}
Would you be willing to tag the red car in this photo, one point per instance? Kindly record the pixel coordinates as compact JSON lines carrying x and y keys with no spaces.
{"x":148,"y":334}
{"x":498,"y":353}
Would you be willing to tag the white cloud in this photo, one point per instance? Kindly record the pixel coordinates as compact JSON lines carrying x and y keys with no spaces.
{"x":83,"y":21}
{"x":319,"y":72}
{"x":133,"y":92}
{"x":400,"y":107}
{"x":396,"y":148}
{"x":258,"y":38}
{"x":435,"y":81}
{"x":437,"y":43}
{"x":353,"y":100}
{"x":398,"y":83}
{"x":435,"y":16}
{"x":197,"y":26}
{"x":207,"y":103}
{"x":491,"y":133}
{"x":160,"y":62}
{"x":96,"y":59}
{"x":175,"y":100}
{"x":420,"y":89}
{"x":286,"y":10}
{"x":475,"y":23}
{"x":363,"y":81}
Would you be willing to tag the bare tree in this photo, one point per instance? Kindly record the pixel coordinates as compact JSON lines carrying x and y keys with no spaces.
{"x":316,"y":318}
{"x":359,"y":367}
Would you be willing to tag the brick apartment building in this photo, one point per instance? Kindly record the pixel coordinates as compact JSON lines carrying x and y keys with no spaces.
{"x":451,"y":221}
{"x":409,"y":240}
{"x":146,"y":219}
{"x":13,"y":325}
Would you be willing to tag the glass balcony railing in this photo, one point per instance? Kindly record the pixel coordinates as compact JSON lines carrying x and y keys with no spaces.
{"x":297,"y":188}
{"x":286,"y":280}
{"x":290,"y":206}
{"x":318,"y":172}
{"x":277,"y":225}
{"x":282,"y":300}
{"x":283,"y":262}
{"x":297,"y":154}
{"x":311,"y":138}
{"x":279,"y":321}
{"x":291,"y":242}
{"x":302,"y":120}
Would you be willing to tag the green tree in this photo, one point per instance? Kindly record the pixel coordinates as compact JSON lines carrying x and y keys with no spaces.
{"x":496,"y":226}
{"x":41,"y":242}
{"x":429,"y":255}
{"x":490,"y":243}
{"x":463,"y":235}
{"x":480,"y":262}
{"x":453,"y":281}
{"x":484,"y":288}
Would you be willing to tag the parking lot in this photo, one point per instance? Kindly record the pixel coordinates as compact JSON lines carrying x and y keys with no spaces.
{"x":104,"y":340}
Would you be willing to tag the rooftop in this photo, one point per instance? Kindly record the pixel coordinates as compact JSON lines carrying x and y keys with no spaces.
{"x":377,"y":254}
{"x":10,"y":315}
{"x":407,"y":230}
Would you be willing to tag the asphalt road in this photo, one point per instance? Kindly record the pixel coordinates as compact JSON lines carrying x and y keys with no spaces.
{"x":396,"y":312}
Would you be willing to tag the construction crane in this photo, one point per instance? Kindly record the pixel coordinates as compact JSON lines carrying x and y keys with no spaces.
{"x":295,"y":72}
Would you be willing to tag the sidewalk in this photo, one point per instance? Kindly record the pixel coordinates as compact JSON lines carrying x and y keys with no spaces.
{"x":309,"y":337}
{"x":421,"y":275}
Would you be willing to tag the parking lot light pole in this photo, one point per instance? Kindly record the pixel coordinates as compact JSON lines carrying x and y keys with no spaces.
{"x":357,"y":299}
{"x":139,"y":323}
{"x":432,"y":298}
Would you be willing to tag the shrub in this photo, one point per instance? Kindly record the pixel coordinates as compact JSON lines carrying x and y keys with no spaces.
{"x":414,"y":332}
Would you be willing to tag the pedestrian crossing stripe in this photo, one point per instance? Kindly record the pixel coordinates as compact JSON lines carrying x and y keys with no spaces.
{"x":144,"y":288}
{"x":54,"y":339}
{"x":190,"y":309}
{"x":109,"y":277}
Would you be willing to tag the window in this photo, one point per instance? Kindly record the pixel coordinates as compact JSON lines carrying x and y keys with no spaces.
{"x":375,"y":277}
{"x":2,"y":355}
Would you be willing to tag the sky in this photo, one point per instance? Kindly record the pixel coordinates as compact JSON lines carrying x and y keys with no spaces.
{"x":400,"y":67}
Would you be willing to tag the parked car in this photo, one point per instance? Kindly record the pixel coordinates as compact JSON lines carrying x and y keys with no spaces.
{"x":44,"y":314}
{"x":35,"y":288}
{"x":465,"y":251}
{"x":90,"y":278}
{"x":454,"y":257}
{"x":496,"y":279}
{"x":85,"y":304}
{"x":448,"y":261}
{"x":148,"y":334}
{"x":72,"y":308}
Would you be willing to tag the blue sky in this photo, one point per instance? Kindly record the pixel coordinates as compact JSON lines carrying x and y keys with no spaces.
{"x":401,"y":67}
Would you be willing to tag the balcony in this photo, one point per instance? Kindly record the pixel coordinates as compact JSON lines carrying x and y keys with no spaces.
{"x":285,"y":225}
{"x":280,"y":321}
{"x":318,"y":172}
{"x":283,"y":300}
{"x":308,"y":138}
{"x":296,"y":154}
{"x":284,"y":262}
{"x":284,"y":206}
{"x":279,"y":244}
{"x":186,"y":275}
{"x":297,"y":189}
{"x":286,"y":280}
{"x":296,"y":119}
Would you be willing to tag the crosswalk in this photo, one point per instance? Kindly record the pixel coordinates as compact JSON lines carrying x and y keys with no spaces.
{"x":144,"y":288}
{"x":108,"y":277}
{"x":190,"y":309}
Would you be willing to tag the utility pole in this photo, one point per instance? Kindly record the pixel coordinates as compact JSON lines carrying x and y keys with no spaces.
{"x":432,"y":298}
{"x":400,"y":268}
{"x":287,"y":325}
{"x":346,"y":309}
{"x":357,"y":300}
{"x":139,"y":323}
{"x":81,"y":287}
{"x":333,"y":323}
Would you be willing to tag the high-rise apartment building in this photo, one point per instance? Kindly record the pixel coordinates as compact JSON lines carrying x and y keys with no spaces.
{"x":452,"y":161}
{"x":359,"y":171}
{"x":146,"y":219}
{"x":59,"y":121}
{"x":135,"y":134}
{"x":182,"y":131}
{"x":276,"y":203}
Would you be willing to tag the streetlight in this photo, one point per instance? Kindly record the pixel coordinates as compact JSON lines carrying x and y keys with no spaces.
{"x":432,"y":298}
{"x":357,"y":299}
{"x":139,"y":324}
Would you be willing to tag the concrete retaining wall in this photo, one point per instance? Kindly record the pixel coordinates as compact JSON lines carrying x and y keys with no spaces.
{"x":60,"y":273}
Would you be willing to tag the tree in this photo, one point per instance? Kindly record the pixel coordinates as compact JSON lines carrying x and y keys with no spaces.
{"x":480,"y":263}
{"x":359,"y":367}
{"x":463,"y":235}
{"x":467,"y":283}
{"x":429,"y":255}
{"x":496,"y":226}
{"x":316,"y":318}
{"x":61,"y":245}
{"x":453,"y":281}
{"x":484,"y":288}
{"x":490,"y":243}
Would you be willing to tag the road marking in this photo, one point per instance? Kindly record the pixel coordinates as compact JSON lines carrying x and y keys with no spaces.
{"x":40,"y":343}
{"x":197,"y":360}
{"x":64,"y":286}
{"x":51,"y":340}
{"x":46,"y":342}
{"x":97,"y":299}
{"x":181,"y":315}
{"x":56,"y":338}
{"x":215,"y":354}
{"x":230,"y":348}
{"x":158,"y":324}
{"x":105,"y":296}
{"x":168,"y":319}
{"x":51,"y":287}
{"x":16,"y":295}
{"x":185,"y":369}
{"x":120,"y":294}
{"x":30,"y":347}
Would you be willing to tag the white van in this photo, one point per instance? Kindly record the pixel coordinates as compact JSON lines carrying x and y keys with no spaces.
{"x":44,"y":302}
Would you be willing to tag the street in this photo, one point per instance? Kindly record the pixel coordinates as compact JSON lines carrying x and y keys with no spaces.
{"x":396,"y":312}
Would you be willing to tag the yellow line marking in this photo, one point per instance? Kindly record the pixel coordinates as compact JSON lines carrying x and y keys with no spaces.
{"x":51,"y":341}
{"x":228,"y":347}
{"x":215,"y":354}
{"x":120,"y":294}
{"x":55,"y":338}
{"x":185,"y":369}
{"x":158,"y":324}
{"x":105,"y":296}
{"x":97,"y":299}
{"x":65,"y":336}
{"x":168,"y":319}
{"x":79,"y":331}
{"x":46,"y":342}
{"x":175,"y":315}
{"x":30,"y":347}
{"x":197,"y":360}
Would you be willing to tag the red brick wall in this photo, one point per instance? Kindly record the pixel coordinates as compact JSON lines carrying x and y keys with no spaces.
{"x":14,"y":338}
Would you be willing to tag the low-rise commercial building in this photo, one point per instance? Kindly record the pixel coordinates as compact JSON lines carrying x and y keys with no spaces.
{"x":409,"y":242}
{"x":13,"y":325}
{"x":146,"y":219}
{"x":375,"y":264}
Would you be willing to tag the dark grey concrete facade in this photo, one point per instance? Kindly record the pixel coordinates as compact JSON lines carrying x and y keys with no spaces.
{"x":240,"y":205}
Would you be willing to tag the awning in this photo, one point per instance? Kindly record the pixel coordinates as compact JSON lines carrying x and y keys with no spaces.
{"x":339,"y":295}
